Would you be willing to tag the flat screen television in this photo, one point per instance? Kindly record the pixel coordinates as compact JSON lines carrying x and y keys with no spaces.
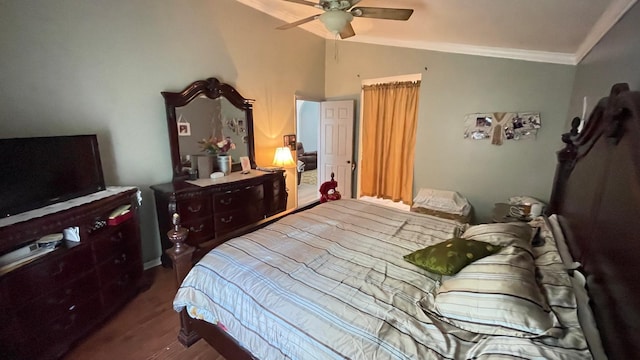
{"x":40,"y":171}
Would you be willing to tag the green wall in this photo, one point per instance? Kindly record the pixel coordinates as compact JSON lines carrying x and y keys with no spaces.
{"x":614,"y":59}
{"x":454,"y":85}
{"x":79,"y":66}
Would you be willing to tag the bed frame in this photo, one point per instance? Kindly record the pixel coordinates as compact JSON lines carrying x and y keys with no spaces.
{"x":596,"y":195}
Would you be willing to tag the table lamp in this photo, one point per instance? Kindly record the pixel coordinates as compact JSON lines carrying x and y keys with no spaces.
{"x":283,"y":158}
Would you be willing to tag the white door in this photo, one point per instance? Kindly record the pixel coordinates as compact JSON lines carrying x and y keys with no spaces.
{"x":335,"y":150}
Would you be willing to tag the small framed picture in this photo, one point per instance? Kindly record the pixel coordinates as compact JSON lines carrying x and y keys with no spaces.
{"x":184,"y":129}
{"x":241,"y":129}
{"x":290,"y":141}
{"x":246,"y":165}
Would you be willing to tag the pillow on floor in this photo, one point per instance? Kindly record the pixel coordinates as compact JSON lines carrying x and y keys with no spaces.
{"x":496,"y":295}
{"x":449,"y":257}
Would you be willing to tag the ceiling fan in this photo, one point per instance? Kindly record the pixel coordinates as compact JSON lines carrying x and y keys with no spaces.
{"x":338,"y":14}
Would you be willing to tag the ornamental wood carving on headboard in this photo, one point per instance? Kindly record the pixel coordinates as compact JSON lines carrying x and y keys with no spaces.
{"x":597,"y":198}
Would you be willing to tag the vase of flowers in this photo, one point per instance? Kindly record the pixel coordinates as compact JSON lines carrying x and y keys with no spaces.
{"x":213,"y":146}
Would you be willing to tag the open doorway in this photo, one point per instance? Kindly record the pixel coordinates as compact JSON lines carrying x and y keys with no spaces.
{"x":324,"y":131}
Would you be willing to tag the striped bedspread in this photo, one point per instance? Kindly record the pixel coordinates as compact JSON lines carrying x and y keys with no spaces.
{"x":331,"y":283}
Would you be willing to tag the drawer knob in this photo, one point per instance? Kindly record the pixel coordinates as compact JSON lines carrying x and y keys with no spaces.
{"x":121,"y":259}
{"x":199,"y":229}
{"x":70,"y":321}
{"x":226,"y":201}
{"x":60,"y":269}
{"x":117,"y":237}
{"x":195,"y":209}
{"x":227,"y":220}
{"x":124,"y":280}
{"x":58,"y":301}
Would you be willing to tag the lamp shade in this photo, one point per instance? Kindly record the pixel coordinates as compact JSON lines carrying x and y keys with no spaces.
{"x":335,"y":20}
{"x":283,"y":158}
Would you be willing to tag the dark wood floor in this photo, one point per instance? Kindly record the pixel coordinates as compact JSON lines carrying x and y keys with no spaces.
{"x":145,"y":329}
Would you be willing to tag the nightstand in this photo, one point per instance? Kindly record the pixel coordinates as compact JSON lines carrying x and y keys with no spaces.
{"x":502,"y":213}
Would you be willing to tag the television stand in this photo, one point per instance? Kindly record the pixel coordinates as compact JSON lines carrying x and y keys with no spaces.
{"x":50,"y":303}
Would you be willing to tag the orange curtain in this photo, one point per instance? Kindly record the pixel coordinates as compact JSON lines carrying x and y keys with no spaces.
{"x":388,"y":140}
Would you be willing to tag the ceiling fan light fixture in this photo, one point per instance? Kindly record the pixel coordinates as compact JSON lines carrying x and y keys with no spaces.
{"x":335,"y":20}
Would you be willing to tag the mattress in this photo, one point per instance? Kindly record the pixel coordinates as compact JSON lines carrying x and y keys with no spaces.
{"x":331,"y":283}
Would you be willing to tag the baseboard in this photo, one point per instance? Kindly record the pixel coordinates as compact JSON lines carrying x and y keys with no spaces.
{"x":152,"y":263}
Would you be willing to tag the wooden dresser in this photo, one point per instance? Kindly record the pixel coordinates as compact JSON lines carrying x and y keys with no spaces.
{"x":211,"y":208}
{"x":50,"y":303}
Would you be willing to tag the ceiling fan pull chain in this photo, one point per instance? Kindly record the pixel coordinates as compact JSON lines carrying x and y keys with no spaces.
{"x":335,"y":47}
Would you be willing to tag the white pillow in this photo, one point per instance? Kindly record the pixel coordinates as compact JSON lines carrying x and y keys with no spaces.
{"x":496,"y":295}
{"x":442,"y":200}
{"x":561,"y":243}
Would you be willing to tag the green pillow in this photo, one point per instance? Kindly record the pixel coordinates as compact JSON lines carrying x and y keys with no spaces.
{"x":449,"y":257}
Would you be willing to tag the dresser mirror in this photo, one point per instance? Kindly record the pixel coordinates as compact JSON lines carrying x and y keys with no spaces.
{"x":207,"y":110}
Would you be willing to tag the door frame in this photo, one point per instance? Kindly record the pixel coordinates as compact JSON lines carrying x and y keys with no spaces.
{"x":300,"y":97}
{"x":347,"y":191}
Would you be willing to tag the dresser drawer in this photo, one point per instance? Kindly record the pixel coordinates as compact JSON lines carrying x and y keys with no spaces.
{"x":278,"y":198}
{"x":236,"y":199}
{"x":44,"y":275}
{"x":199,"y":230}
{"x":191,"y":209}
{"x":113,"y":242}
{"x":122,"y":287}
{"x":56,"y":304}
{"x":53,"y":340}
{"x":231,"y":220}
{"x":50,"y":339}
{"x":117,"y":265}
{"x":227,"y":221}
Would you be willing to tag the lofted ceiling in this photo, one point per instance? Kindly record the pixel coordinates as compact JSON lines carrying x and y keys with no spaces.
{"x":555,"y":31}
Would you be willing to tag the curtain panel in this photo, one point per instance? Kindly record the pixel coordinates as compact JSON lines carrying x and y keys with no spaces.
{"x":388,"y":140}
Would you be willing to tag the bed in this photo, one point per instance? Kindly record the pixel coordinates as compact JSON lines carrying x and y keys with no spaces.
{"x":332,"y":281}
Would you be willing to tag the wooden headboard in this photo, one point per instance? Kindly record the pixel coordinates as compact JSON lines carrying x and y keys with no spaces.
{"x":596,"y":195}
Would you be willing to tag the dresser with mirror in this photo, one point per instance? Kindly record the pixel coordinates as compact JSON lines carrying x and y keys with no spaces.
{"x":207,"y":112}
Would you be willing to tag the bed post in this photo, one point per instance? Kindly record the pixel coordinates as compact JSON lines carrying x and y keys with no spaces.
{"x":181,"y":255}
{"x":566,"y":160}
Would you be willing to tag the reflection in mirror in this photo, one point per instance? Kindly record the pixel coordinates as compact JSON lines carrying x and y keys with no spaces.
{"x":209,"y":120}
{"x":205,"y":111}
{"x":307,"y":132}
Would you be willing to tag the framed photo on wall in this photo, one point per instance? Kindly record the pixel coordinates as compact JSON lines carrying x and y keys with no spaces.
{"x":290,"y":141}
{"x":184,"y":129}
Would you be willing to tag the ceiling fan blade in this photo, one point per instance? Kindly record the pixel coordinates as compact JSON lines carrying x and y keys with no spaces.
{"x":347,"y":32}
{"x":382,"y":13}
{"x":299,"y":22}
{"x":354,"y":2}
{"x":304,"y":2}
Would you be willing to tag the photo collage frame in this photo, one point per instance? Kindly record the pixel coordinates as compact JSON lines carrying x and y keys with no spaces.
{"x":501,"y":126}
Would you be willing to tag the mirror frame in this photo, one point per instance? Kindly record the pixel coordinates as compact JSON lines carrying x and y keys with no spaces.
{"x":212,"y":88}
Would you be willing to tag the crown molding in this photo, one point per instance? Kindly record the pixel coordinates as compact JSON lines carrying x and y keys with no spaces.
{"x":610,"y":17}
{"x":516,"y":54}
{"x":607,"y":20}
